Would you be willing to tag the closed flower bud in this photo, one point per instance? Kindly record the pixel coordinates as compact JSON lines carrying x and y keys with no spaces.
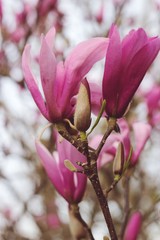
{"x":119,"y":160}
{"x":133,"y":227}
{"x":82,"y":116}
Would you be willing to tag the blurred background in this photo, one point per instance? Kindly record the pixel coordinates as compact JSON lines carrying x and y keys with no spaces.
{"x":29,"y":206}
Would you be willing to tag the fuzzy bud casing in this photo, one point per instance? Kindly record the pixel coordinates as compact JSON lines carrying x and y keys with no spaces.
{"x":119,"y":160}
{"x":82,"y":116}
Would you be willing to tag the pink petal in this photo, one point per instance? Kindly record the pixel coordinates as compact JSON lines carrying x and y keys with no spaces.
{"x":80,"y":61}
{"x":136,"y":71}
{"x":50,"y":37}
{"x":47,"y":63}
{"x":133,"y":227}
{"x":125,"y":136}
{"x":80,"y":186}
{"x":109,"y":149}
{"x":152,"y":98}
{"x":51,"y":167}
{"x":73,"y":189}
{"x":131,"y":44}
{"x":96,"y":97}
{"x":31,"y":83}
{"x":112,"y":72}
{"x":142,"y":132}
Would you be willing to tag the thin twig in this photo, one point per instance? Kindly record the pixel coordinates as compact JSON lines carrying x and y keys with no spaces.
{"x":110,"y":128}
{"x":126,"y":207}
{"x":75,"y":210}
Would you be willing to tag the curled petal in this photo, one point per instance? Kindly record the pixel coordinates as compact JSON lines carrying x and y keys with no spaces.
{"x":112,"y":72}
{"x":50,"y":165}
{"x":48,"y":64}
{"x":75,"y":183}
{"x":131,"y":44}
{"x":50,"y":36}
{"x":88,"y":52}
{"x":31,"y":83}
{"x":142,"y":132}
{"x":136,"y":71}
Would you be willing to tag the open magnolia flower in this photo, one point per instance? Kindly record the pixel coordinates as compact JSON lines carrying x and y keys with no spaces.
{"x":69,"y":185}
{"x":60,"y":81}
{"x":126,"y":64}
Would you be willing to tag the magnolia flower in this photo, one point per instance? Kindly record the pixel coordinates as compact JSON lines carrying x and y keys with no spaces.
{"x":141,"y":133}
{"x":133,"y":227}
{"x":126,"y":64}
{"x":69,"y":185}
{"x":152,"y":100}
{"x":60,"y":81}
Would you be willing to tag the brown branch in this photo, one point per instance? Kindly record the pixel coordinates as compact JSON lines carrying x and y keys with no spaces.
{"x":94,"y":179}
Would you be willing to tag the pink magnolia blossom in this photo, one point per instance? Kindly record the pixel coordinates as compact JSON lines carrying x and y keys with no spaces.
{"x":152,"y":99}
{"x":69,"y":185}
{"x":126,"y":64}
{"x":60,"y":81}
{"x":141,"y":133}
{"x":133,"y":227}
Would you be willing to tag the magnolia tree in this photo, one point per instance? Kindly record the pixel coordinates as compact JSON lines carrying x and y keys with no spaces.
{"x":91,"y":166}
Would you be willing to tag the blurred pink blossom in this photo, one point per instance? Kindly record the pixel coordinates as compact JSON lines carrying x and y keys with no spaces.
{"x":44,"y":6}
{"x":152,"y":99}
{"x":18,"y":34}
{"x":118,"y":3}
{"x":108,"y":151}
{"x":133,"y":227}
{"x":141,"y":133}
{"x":100,"y":14}
{"x":51,"y":219}
{"x":1,"y":12}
